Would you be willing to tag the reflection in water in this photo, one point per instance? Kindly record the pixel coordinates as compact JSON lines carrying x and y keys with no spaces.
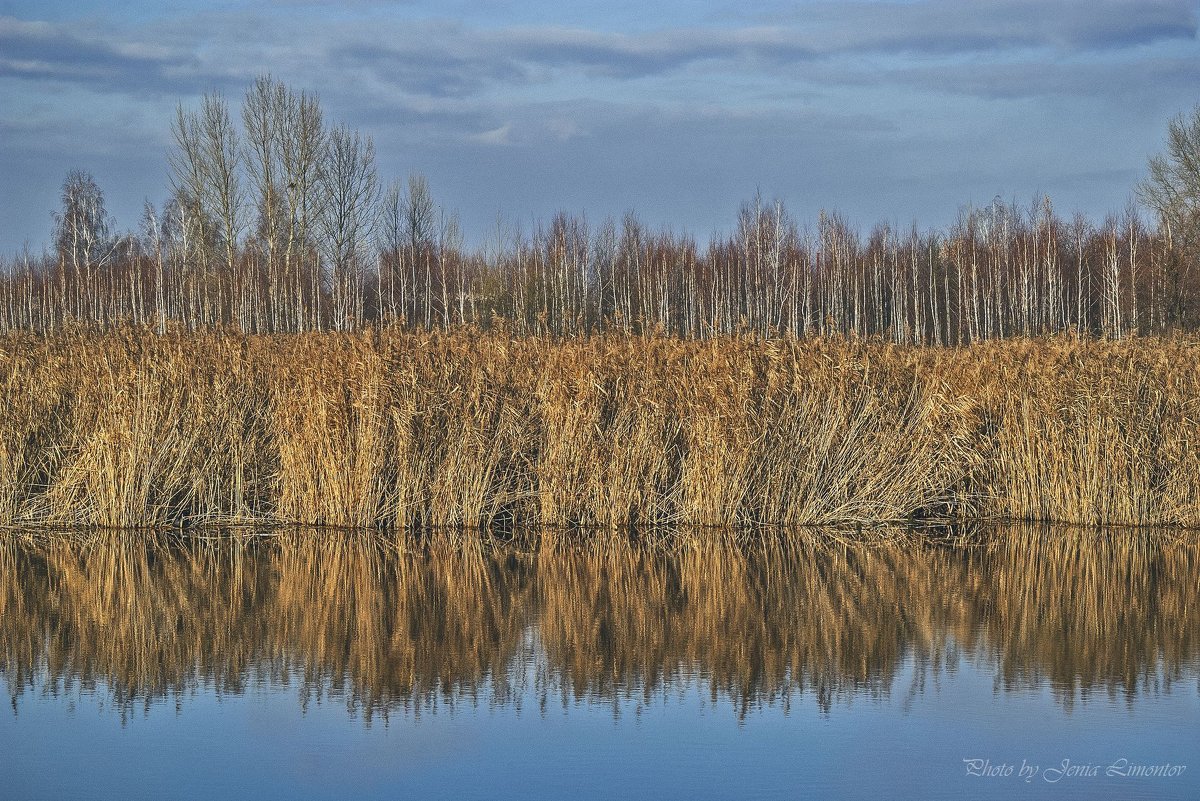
{"x":388,"y":625}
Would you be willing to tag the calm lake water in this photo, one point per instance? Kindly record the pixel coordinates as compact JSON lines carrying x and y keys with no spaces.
{"x":1006,"y":663}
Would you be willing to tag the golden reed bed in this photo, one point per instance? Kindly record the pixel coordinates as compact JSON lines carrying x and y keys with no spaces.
{"x":467,"y":428}
{"x":390,"y":622}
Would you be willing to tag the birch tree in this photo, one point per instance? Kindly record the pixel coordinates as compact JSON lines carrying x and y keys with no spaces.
{"x":1172,"y":190}
{"x":350,"y":189}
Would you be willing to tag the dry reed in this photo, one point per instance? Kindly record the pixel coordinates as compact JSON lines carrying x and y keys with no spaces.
{"x":396,"y":429}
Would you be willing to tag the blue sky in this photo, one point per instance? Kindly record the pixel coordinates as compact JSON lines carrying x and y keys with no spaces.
{"x":896,"y":111}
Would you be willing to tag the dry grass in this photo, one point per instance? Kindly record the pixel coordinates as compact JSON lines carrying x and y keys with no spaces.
{"x":396,"y":623}
{"x":395,"y":429}
{"x":1093,"y":432}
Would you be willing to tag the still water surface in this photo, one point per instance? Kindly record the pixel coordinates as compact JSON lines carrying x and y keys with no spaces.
{"x":314,"y":665}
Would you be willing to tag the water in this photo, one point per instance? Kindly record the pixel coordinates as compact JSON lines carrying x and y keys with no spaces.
{"x":314,"y":665}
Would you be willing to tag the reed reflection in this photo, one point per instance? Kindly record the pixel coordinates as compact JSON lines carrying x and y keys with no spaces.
{"x":390,"y":625}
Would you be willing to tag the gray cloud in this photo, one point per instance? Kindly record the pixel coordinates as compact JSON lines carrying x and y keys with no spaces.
{"x":439,"y":59}
{"x":630,"y":56}
{"x":461,"y":60}
{"x":425,"y":70}
{"x":1140,"y":82}
{"x":41,"y":51}
{"x":942,"y":27}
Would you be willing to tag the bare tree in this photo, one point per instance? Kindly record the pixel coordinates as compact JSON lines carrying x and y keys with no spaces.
{"x":324,"y":250}
{"x":264,"y":111}
{"x":1172,"y":190}
{"x":222,"y":159}
{"x":152,"y":233}
{"x":206,"y":174}
{"x":420,"y":215}
{"x":285,"y":144}
{"x":85,"y":245}
{"x":391,"y":247}
{"x":350,"y":189}
{"x":302,"y":150}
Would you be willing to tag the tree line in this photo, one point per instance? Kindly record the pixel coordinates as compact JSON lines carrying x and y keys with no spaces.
{"x":281,"y":224}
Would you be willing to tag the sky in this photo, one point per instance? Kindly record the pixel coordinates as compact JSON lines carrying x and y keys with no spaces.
{"x":904,"y":112}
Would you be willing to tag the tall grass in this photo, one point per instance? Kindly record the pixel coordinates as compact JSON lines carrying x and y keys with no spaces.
{"x":397,"y":429}
{"x":395,"y":623}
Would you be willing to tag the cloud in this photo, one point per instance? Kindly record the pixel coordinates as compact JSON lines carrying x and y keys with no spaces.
{"x":71,"y":54}
{"x":943,"y":27}
{"x":1136,"y":82}
{"x":632,"y":56}
{"x":427,"y":69}
{"x":454,"y":59}
{"x":934,"y":28}
{"x":496,"y":136}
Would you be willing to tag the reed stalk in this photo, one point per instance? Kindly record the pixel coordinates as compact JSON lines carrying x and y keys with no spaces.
{"x":464,"y":428}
